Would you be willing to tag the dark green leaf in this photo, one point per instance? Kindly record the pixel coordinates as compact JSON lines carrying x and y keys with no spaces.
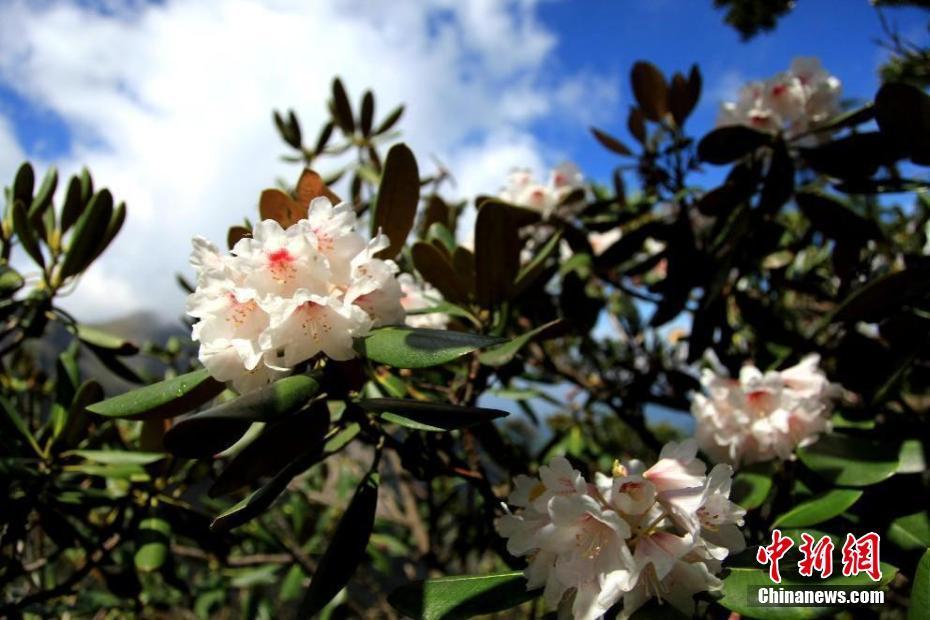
{"x":346,"y":549}
{"x":73,"y":206}
{"x":342,"y":109}
{"x":751,"y":485}
{"x":650,"y":90}
{"x":390,"y":121}
{"x":162,"y":400}
{"x":153,"y":540}
{"x":406,"y":347}
{"x":836,"y":220}
{"x":920,"y":591}
{"x":278,"y":444}
{"x":911,"y":531}
{"x":368,"y":112}
{"x":726,"y":144}
{"x":458,"y":598}
{"x":43,"y":197}
{"x":497,"y":250}
{"x":903,"y":114}
{"x":436,"y":269}
{"x":27,"y":234}
{"x":88,"y":231}
{"x":398,"y":196}
{"x":212,"y":431}
{"x":891,"y":290}
{"x":850,"y":461}
{"x":24,"y":184}
{"x":611,"y":143}
{"x":428,"y":415}
{"x":819,"y":509}
{"x":852,"y":157}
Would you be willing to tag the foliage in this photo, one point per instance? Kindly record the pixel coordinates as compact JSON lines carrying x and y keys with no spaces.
{"x":385,"y":473}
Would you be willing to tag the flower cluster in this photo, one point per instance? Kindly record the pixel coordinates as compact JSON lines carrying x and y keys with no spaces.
{"x":792,"y":101}
{"x":285,"y":295}
{"x":762,"y":416}
{"x":523,"y":190}
{"x":636,"y":535}
{"x":417,"y":295}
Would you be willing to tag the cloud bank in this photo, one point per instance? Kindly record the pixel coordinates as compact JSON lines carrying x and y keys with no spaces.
{"x":170,"y":105}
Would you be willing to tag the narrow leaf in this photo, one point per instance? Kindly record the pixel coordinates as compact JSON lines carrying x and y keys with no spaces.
{"x":165,"y":399}
{"x":406,"y":347}
{"x":427,"y":415}
{"x":398,"y":196}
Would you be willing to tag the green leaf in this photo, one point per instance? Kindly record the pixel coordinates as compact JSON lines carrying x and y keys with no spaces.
{"x":368,"y":112}
{"x":342,"y":109}
{"x":73,"y":206}
{"x":260,"y":500}
{"x":43,"y":197}
{"x":19,"y":424}
{"x":530,"y":272}
{"x":117,"y":457}
{"x":24,"y":184}
{"x":406,"y":347}
{"x":429,"y":416}
{"x":850,"y":461}
{"x":27,"y":234}
{"x":212,"y":431}
{"x":398,"y":196}
{"x":103,"y":340}
{"x":893,"y":290}
{"x":920,"y":591}
{"x":752,"y":485}
{"x":903,"y":114}
{"x":503,"y":353}
{"x":457,"y":598}
{"x":390,"y":120}
{"x":835,"y":219}
{"x":650,"y":90}
{"x":611,"y":143}
{"x":438,"y":271}
{"x":497,"y":250}
{"x":819,"y":509}
{"x":740,"y":587}
{"x":277,"y":445}
{"x":153,"y":540}
{"x":10,"y":281}
{"x":911,"y":531}
{"x":165,"y":399}
{"x":726,"y":144}
{"x":346,"y":549}
{"x":89,"y":229}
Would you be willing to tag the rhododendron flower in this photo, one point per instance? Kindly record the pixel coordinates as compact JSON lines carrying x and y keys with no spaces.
{"x":416,"y":295}
{"x":283,"y":296}
{"x":523,"y":190}
{"x":762,"y":416}
{"x":792,"y":101}
{"x":624,"y":536}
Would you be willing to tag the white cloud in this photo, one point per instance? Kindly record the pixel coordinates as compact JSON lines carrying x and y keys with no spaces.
{"x":10,"y":152}
{"x":170,"y":105}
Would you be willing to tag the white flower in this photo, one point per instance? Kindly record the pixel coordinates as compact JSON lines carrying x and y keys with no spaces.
{"x":416,"y":295}
{"x":792,"y":101}
{"x":762,"y":416}
{"x":621,"y":538}
{"x":523,"y":190}
{"x":601,"y":241}
{"x":283,"y":296}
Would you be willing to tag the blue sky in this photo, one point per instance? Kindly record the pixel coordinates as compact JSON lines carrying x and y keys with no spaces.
{"x":169,"y":103}
{"x":608,"y":37}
